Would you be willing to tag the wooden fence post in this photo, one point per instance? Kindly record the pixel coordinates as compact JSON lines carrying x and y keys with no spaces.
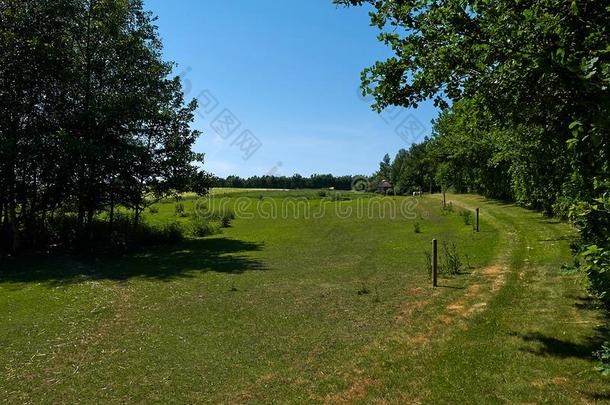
{"x":477,"y":219}
{"x":434,"y":262}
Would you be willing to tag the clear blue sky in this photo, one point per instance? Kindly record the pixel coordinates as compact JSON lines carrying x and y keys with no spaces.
{"x":288,"y":73}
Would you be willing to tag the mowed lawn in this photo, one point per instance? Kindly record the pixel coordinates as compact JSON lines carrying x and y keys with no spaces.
{"x":308,"y":299}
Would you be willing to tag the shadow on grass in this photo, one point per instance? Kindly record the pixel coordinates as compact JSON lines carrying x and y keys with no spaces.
{"x":599,"y":396}
{"x":587,"y":303}
{"x":450,"y":287}
{"x":566,"y":238}
{"x":551,"y":346}
{"x":221,"y":255}
{"x":564,"y":349}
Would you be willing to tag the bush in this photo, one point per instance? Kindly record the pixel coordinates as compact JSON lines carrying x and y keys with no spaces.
{"x":450,"y":260}
{"x":203,"y":227}
{"x":147,"y":235}
{"x":171,"y":232}
{"x":229,"y":213}
{"x":593,"y":220}
{"x":179,"y":208}
{"x":466,"y":216}
{"x":595,"y":261}
{"x":428,"y":261}
{"x":448,"y":208}
{"x":225,"y":221}
{"x":101,"y":236}
{"x":603,"y":355}
{"x":363,"y":290}
{"x":417,"y":227}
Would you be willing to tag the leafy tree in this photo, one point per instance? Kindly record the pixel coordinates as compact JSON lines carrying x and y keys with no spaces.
{"x":384,"y":168}
{"x":89,"y":117}
{"x":540,"y":67}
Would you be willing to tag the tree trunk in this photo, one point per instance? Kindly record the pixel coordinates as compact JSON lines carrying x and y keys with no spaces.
{"x":81,"y":216}
{"x":136,"y":217}
{"x":90,"y":215}
{"x":111,"y":214}
{"x":13,"y":229}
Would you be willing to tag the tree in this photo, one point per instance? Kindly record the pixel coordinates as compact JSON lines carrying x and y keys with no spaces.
{"x":89,"y":116}
{"x":546,"y":80}
{"x":385,"y":169}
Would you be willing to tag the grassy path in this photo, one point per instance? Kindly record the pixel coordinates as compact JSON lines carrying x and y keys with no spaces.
{"x":522,"y":331}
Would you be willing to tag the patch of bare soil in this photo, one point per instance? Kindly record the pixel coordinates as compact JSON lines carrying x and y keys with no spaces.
{"x":357,"y":392}
{"x":472,"y":302}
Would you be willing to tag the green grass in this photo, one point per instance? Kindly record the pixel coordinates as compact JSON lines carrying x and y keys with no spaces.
{"x":304,"y":307}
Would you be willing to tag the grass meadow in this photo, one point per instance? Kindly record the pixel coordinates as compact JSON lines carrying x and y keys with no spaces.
{"x":308,"y":296}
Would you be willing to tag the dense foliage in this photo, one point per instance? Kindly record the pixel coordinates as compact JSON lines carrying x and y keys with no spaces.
{"x":525,"y":89}
{"x":296,"y":181}
{"x":89,"y":118}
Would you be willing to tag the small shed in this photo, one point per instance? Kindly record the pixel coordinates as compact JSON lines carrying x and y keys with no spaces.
{"x":384,"y":186}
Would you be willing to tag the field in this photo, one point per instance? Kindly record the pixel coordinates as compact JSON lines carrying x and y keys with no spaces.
{"x":309,"y":298}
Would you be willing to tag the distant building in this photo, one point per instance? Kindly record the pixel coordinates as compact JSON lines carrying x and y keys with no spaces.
{"x":384,"y":186}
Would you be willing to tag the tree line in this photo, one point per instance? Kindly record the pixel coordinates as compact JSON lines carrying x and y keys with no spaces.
{"x":90,"y":119}
{"x":296,"y":181}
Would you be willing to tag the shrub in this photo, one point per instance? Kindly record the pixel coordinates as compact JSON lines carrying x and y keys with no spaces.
{"x":202,"y":227}
{"x":603,"y":355}
{"x":200,"y":207}
{"x":593,"y":220}
{"x":466,"y":216}
{"x":450,"y":260}
{"x":446,"y":209}
{"x":60,"y":233}
{"x":595,"y":262}
{"x":171,"y":232}
{"x":168,"y":233}
{"x":179,"y":208}
{"x":428,"y":261}
{"x":417,"y":227}
{"x":363,"y":290}
{"x":225,"y":221}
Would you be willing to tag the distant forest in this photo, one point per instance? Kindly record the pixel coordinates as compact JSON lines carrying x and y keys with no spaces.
{"x":284,"y":182}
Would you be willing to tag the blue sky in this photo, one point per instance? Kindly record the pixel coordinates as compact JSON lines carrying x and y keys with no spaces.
{"x":278,"y":83}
